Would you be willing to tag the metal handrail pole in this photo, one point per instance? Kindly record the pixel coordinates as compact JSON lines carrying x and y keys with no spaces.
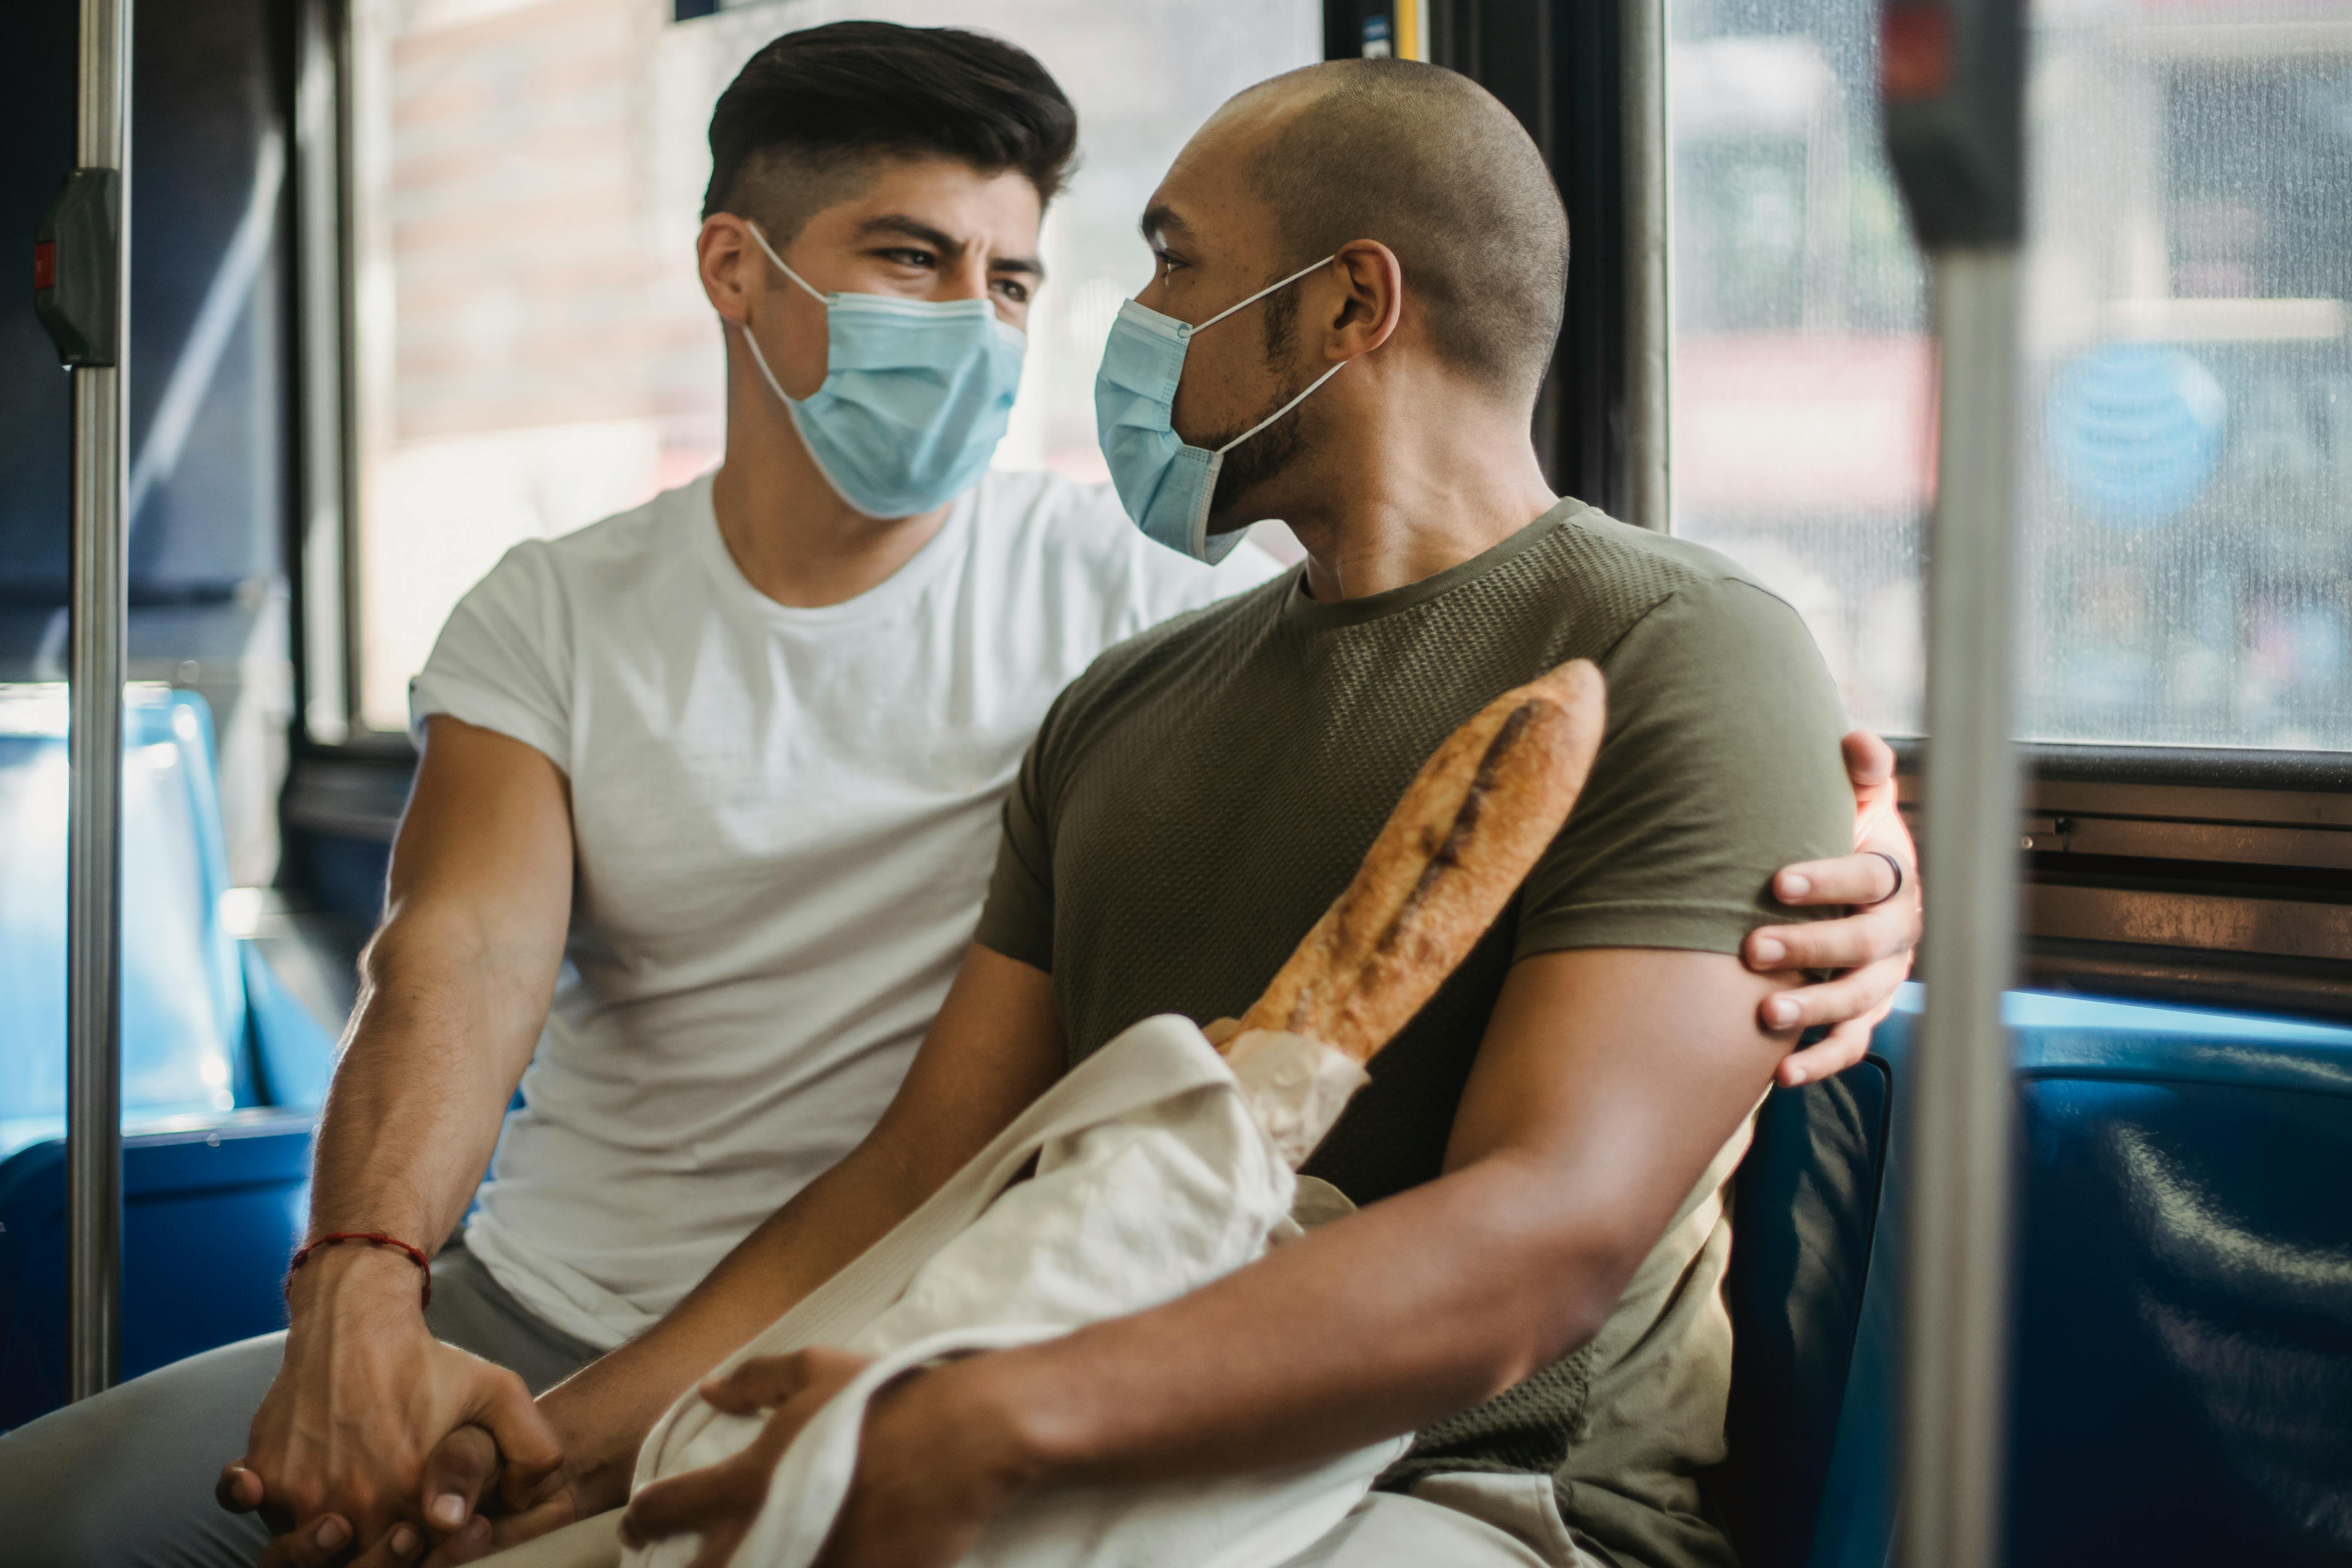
{"x":1962,"y":1096}
{"x":1648,"y":173}
{"x":94,"y":744}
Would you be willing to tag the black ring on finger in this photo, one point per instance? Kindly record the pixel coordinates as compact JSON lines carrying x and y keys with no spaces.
{"x":1897,"y":866}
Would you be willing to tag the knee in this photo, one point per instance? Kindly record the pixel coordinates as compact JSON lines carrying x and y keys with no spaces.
{"x":62,"y":1500}
{"x":125,"y":1479}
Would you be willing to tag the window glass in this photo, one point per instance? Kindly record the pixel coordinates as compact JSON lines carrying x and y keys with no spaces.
{"x":1803,"y":378}
{"x":2186,"y":466}
{"x":2186,"y":392}
{"x":534,"y":351}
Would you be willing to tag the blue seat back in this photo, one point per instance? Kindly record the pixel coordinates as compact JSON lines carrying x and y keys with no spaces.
{"x":1805,"y":1208}
{"x":2181,"y":1387}
{"x":183,"y":997}
{"x":213,"y":1196}
{"x":210,"y":1215}
{"x":2182,"y":1391}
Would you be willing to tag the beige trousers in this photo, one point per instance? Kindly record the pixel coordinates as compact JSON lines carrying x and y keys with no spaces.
{"x":1459,"y":1521}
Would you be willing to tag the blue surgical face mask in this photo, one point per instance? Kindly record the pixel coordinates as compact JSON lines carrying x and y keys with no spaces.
{"x":916,"y":396}
{"x":1164,"y":484}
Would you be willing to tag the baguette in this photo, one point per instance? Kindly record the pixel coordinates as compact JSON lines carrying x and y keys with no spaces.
{"x":1470,"y":827}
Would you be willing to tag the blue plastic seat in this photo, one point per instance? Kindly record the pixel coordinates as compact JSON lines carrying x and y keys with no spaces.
{"x":210,"y":1215}
{"x":2181,"y":1381}
{"x":1808,"y":1289}
{"x":183,"y":1004}
{"x":221,"y":1067}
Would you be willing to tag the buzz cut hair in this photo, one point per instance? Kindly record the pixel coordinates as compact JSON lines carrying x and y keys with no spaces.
{"x":810,"y":118}
{"x":1434,"y":166}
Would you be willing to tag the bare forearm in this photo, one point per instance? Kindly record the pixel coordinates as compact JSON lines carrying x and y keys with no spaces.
{"x":605,"y":1411}
{"x":994,"y":1047}
{"x":444,"y":1027}
{"x":1380,"y":1323}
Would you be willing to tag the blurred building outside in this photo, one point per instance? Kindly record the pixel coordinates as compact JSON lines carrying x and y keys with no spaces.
{"x":2186,"y":401}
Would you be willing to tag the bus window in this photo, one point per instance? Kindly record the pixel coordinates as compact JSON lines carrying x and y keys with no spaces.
{"x":2187,"y":386}
{"x":533,"y":349}
{"x":1802,"y":380}
{"x":2185,"y":402}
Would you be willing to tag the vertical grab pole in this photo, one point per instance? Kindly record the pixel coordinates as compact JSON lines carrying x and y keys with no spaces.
{"x":1957,"y":1301}
{"x":94,"y":814}
{"x":1952,"y":74}
{"x":1649,"y":502}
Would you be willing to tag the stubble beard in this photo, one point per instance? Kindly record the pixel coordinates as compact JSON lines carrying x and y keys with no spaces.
{"x":1266,"y":454}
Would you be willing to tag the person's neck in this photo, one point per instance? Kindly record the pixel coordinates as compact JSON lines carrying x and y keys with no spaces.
{"x":1415,"y":496}
{"x":791,"y":535}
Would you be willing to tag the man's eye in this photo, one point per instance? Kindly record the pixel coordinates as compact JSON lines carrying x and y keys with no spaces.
{"x":1012,"y":289}
{"x":909,"y":257}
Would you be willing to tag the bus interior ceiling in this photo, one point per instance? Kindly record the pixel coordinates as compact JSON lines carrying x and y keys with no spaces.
{"x":337,"y":337}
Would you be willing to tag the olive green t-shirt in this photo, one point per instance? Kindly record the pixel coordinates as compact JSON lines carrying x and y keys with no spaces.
{"x":1197,"y":797}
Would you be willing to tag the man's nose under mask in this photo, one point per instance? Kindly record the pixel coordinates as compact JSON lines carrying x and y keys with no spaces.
{"x":916,"y":396}
{"x":1165,"y":484}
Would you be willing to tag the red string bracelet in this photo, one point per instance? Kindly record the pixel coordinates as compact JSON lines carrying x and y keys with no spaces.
{"x":373,"y":1239}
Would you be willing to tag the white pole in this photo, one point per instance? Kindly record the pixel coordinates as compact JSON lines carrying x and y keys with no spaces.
{"x":1963,"y":1097}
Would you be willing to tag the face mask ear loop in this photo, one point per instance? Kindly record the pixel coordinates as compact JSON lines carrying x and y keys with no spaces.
{"x":1252,"y":299}
{"x":770,"y":251}
{"x":1284,"y":409}
{"x":768,"y":375}
{"x":752,"y":343}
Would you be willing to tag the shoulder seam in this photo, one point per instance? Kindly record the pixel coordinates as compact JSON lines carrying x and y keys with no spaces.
{"x":1672,"y":594}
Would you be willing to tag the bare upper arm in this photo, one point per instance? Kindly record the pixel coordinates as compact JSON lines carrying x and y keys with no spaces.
{"x":996,"y":1045}
{"x":1621,"y":1072}
{"x":484,"y":855}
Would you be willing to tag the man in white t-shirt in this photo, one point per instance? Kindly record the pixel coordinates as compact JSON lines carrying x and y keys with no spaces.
{"x":709,"y":798}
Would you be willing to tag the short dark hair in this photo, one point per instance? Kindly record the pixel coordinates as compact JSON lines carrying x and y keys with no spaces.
{"x":809,"y":114}
{"x":1434,"y":167}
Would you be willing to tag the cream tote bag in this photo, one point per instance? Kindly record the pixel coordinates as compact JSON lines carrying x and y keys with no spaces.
{"x":1161,"y":1165}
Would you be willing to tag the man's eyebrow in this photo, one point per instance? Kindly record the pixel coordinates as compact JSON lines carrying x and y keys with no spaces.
{"x":908,"y":227}
{"x":1163,"y":219}
{"x":917,"y":229}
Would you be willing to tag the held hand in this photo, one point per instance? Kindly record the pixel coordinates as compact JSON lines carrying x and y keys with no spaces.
{"x":338,"y":1448}
{"x":933,"y":1468}
{"x":935,"y":1463}
{"x":1870,"y":949}
{"x":720,"y":1501}
{"x":472,"y":1504}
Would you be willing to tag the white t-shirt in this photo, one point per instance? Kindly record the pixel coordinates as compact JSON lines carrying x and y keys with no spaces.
{"x":784,"y":821}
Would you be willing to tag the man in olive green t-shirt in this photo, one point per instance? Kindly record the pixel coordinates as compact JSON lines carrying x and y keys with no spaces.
{"x":1531,"y":1283}
{"x":1195,"y":798}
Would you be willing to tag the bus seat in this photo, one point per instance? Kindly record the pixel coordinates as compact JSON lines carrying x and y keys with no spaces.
{"x":1806,"y":1208}
{"x":214,"y":1183}
{"x":293,"y":1051}
{"x":183,"y":997}
{"x":211,"y":1212}
{"x":2183,"y":1361}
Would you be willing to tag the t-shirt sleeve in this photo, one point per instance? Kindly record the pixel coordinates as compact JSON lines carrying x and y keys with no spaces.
{"x":1018,"y":920}
{"x":500,"y":661}
{"x":1719,"y":765}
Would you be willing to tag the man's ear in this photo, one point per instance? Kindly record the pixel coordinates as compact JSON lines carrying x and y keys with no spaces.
{"x":1370,"y":301}
{"x":722,"y":254}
